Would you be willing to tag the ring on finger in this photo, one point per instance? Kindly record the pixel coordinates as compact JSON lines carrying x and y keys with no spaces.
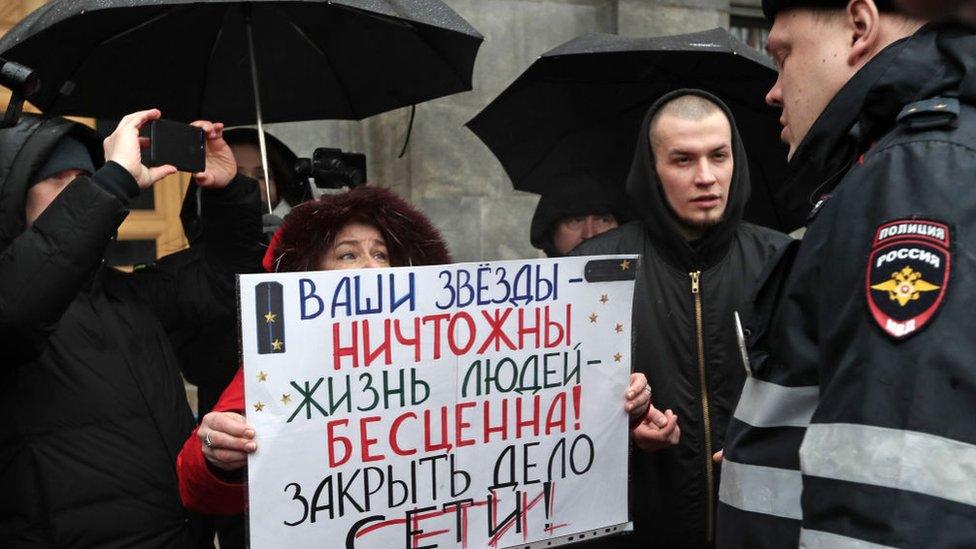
{"x":207,"y":441}
{"x":647,"y":387}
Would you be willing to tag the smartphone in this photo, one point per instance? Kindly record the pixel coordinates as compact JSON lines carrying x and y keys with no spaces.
{"x":174,"y":143}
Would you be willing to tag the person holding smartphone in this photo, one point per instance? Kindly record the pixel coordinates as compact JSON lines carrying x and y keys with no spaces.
{"x":94,"y":406}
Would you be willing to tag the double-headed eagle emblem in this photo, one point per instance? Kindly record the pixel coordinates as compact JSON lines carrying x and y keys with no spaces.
{"x":905,"y":285}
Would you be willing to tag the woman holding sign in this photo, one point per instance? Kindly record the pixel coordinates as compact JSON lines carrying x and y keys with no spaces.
{"x":364,"y":228}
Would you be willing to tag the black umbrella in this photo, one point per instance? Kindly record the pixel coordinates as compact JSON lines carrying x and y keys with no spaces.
{"x":335,"y":59}
{"x":579,"y":108}
{"x":242,"y":62}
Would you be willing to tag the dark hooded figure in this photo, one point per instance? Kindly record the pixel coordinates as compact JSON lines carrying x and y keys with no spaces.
{"x":367,"y":227}
{"x":688,"y":184}
{"x":287,"y":188}
{"x":93,"y":404}
{"x":579,"y":207}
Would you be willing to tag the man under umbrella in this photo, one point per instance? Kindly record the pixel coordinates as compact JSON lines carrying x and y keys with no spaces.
{"x":94,"y":406}
{"x":688,"y":185}
{"x":578,"y":208}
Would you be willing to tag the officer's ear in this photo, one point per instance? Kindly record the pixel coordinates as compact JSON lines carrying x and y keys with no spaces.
{"x":864,"y":22}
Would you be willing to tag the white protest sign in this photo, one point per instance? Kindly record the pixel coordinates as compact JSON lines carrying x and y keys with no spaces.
{"x":469,"y":405}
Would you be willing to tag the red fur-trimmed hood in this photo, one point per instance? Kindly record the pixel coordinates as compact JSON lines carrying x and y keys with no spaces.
{"x":311,"y":227}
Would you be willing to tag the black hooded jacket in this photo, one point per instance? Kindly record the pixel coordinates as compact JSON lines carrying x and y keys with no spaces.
{"x":691,"y":359}
{"x":875,"y":443}
{"x":93,"y":404}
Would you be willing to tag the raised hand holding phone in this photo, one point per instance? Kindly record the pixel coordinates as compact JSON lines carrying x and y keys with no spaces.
{"x":220,"y":164}
{"x":124,"y":148}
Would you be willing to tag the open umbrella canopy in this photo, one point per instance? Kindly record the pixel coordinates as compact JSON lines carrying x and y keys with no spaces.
{"x":315,"y":59}
{"x":579,"y":108}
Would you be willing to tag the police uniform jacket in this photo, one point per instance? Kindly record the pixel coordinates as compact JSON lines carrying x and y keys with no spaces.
{"x":685,"y":296}
{"x":92,"y":404}
{"x":858,"y":429}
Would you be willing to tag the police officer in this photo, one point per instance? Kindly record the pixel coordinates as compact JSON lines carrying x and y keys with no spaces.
{"x":856,"y":427}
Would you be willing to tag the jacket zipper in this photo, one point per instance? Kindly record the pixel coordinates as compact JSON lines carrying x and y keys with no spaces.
{"x":706,"y":415}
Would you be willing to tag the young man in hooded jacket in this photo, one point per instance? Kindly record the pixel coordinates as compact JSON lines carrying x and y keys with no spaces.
{"x":858,"y":431}
{"x":93,"y":404}
{"x":688,"y":185}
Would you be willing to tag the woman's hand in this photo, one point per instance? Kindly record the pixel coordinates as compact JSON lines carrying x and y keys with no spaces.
{"x":227,"y":439}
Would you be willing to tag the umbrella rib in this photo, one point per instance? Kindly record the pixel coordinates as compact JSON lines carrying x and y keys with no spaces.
{"x":413,"y":25}
{"x":460,"y":78}
{"x":138,"y":27}
{"x":566,"y":134}
{"x":347,"y":97}
{"x":126,"y":32}
{"x":206,"y":66}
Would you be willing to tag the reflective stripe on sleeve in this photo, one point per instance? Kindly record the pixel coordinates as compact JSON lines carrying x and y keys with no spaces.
{"x":765,"y":404}
{"x":759,"y":489}
{"x":815,"y":539}
{"x":891,"y":458}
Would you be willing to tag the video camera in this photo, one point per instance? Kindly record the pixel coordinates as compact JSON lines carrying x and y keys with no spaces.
{"x":333,"y":169}
{"x":22,"y":83}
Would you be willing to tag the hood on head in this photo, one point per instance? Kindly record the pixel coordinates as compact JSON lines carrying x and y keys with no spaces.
{"x":648,"y":201}
{"x":24,"y":149}
{"x":292,"y":189}
{"x":281,"y":162}
{"x":572,"y":195}
{"x":311,"y":227}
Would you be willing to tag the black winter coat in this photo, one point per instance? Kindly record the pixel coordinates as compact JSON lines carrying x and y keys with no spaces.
{"x":876,"y":308}
{"x":93,"y":404}
{"x":693,"y":364}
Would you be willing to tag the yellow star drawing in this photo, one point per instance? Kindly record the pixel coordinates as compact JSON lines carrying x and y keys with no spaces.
{"x":603,"y":298}
{"x":904,"y":286}
{"x":617,"y":357}
{"x":262,"y":376}
{"x":285,"y":399}
{"x":270,"y":317}
{"x":592,"y":317}
{"x":624,"y":265}
{"x":619,"y":328}
{"x":276,"y":344}
{"x":258,"y":407}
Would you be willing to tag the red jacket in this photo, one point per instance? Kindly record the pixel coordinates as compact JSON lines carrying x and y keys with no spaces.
{"x":200,"y":489}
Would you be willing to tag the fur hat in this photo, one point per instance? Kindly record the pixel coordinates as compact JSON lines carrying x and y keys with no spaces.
{"x":310,"y":228}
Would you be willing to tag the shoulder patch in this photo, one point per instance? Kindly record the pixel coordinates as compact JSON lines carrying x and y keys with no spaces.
{"x":907,"y":274}
{"x":938,"y":112}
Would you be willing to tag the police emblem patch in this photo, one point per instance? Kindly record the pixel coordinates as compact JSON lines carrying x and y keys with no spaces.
{"x":908,"y":274}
